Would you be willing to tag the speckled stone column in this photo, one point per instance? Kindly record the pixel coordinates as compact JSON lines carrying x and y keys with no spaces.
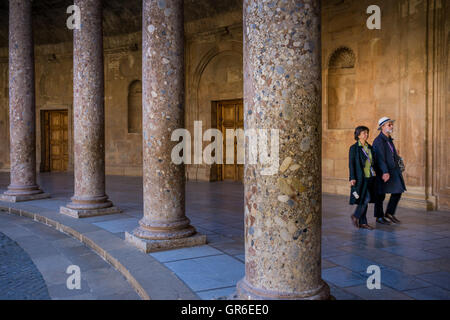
{"x":89,"y":116}
{"x":282,"y":90}
{"x":164,"y":224}
{"x":22,"y":113}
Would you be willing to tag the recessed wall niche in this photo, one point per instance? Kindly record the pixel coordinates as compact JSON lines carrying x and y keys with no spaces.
{"x":135,"y":107}
{"x":341,"y":89}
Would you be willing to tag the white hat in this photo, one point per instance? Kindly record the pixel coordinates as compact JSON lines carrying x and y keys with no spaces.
{"x":383,"y":121}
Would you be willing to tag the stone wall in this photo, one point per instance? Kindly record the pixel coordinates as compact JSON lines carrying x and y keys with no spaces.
{"x":389,"y":79}
{"x":54,"y":91}
{"x":400,"y":71}
{"x":213,"y":73}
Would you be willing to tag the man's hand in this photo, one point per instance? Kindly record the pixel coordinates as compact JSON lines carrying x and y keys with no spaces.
{"x":352,"y":182}
{"x":385,"y":177}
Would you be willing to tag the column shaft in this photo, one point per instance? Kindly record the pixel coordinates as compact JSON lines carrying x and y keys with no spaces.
{"x":22,"y":113}
{"x":282,"y":91}
{"x":164,"y":219}
{"x":89,"y":115}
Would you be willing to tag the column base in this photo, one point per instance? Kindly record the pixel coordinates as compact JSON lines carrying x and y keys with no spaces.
{"x":147,"y":246}
{"x":244,"y":291}
{"x":25,"y":197}
{"x":83,"y":213}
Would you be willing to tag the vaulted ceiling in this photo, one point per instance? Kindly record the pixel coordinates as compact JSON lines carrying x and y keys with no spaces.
{"x":120,"y":17}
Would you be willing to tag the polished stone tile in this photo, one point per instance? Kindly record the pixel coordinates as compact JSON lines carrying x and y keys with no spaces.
{"x":353,"y":262}
{"x":385,"y":293}
{"x":412,"y":253}
{"x":208,"y":272}
{"x":437,"y":243}
{"x":88,"y":261}
{"x":218,"y":238}
{"x":443,"y":252}
{"x":429,"y":293}
{"x":408,"y":266}
{"x":342,"y":277}
{"x":131,"y":295}
{"x":442,"y":264}
{"x":417,"y":246}
{"x":230,"y":248}
{"x":367,"y":252}
{"x":60,"y":291}
{"x":440,"y":279}
{"x":421,"y":235}
{"x":328,"y":252}
{"x":445,"y":233}
{"x":119,"y":225}
{"x":185,"y":253}
{"x":327,"y":264}
{"x":341,"y":294}
{"x":104,"y":281}
{"x":398,"y":280}
{"x":203,"y":231}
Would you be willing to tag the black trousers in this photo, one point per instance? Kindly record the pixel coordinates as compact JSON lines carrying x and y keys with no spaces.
{"x":391,"y":207}
{"x":361,"y":210}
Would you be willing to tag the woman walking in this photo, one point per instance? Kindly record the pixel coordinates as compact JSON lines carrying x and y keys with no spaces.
{"x":362,"y":177}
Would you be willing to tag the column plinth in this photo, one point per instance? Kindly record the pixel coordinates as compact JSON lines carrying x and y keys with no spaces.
{"x":246,"y":291}
{"x":89,"y":116}
{"x":164,"y":225}
{"x":22,"y":113}
{"x":282,"y":92}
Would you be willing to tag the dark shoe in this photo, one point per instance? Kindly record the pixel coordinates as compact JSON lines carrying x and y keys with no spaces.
{"x":383,"y":221}
{"x":366,"y":226}
{"x":355,"y":221}
{"x":392,"y":218}
{"x":395,"y":219}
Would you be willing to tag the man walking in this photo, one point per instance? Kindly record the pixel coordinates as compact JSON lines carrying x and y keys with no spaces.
{"x":389,"y":174}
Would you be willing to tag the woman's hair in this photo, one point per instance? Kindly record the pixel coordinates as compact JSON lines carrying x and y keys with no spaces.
{"x":358,"y":131}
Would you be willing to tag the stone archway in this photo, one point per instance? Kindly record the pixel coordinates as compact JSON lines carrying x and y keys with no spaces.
{"x":217,"y":76}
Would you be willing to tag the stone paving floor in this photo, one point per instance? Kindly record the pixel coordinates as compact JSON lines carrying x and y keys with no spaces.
{"x":34,"y":259}
{"x":414,"y":256}
{"x":19,"y":277}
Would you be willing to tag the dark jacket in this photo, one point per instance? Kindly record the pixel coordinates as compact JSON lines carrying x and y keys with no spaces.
{"x":356,"y":162}
{"x":386,"y":162}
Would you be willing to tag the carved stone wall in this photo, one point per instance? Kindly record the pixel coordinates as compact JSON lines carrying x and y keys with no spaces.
{"x":213,"y":73}
{"x":400,"y":71}
{"x":341,"y":89}
{"x":391,"y":75}
{"x":135,"y":107}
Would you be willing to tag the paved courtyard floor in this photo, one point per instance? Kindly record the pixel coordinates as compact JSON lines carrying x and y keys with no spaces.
{"x":34,"y":259}
{"x":414,"y":256}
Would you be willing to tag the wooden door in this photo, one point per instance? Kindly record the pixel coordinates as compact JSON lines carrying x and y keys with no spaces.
{"x":230,"y":115}
{"x":55,"y":141}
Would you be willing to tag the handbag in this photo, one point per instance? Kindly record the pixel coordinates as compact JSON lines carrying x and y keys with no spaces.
{"x":397,"y":159}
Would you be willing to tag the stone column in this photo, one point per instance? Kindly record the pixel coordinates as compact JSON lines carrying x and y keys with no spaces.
{"x":89,"y":116}
{"x":282,"y":90}
{"x":22,"y":112}
{"x":164,"y":224}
